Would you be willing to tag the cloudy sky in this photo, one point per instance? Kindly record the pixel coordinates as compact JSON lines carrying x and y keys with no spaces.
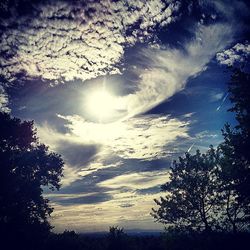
{"x":120,"y":89}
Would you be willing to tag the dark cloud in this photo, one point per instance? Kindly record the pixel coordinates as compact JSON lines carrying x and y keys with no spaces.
{"x":76,"y":154}
{"x":151,"y":190}
{"x":125,"y":205}
{"x":89,"y":183}
{"x":87,"y":199}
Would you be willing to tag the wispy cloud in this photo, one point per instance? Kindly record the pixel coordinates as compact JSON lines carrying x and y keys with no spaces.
{"x":135,"y":181}
{"x":216,"y":96}
{"x":222,"y":102}
{"x":126,"y":209}
{"x":168,"y":69}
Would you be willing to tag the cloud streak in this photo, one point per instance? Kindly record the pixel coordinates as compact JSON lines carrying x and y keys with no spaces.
{"x":142,"y":180}
{"x":168,"y":69}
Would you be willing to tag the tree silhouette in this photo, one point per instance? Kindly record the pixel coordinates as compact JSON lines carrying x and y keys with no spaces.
{"x":235,"y":157}
{"x":116,"y":238}
{"x":191,"y":199}
{"x":235,"y":208}
{"x":211,"y":191}
{"x":239,"y":138}
{"x":26,"y":167}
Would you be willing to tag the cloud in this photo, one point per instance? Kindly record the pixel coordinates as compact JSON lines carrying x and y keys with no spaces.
{"x":74,"y":199}
{"x":201,"y":140}
{"x":3,"y":100}
{"x":77,"y":154}
{"x":107,"y":164}
{"x":168,"y":69}
{"x":206,"y":135}
{"x":142,"y":180}
{"x":63,"y":41}
{"x":143,"y":137}
{"x":70,"y":175}
{"x":126,"y":209}
{"x":237,"y":54}
{"x":214,"y":97}
{"x":233,"y":11}
{"x":127,"y":205}
{"x":89,"y":147}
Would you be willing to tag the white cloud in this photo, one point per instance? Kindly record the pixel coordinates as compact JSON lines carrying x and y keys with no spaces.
{"x":168,"y":69}
{"x":54,"y":140}
{"x":135,"y":181}
{"x":147,"y":136}
{"x":144,"y":137}
{"x":3,"y":100}
{"x":237,"y":54}
{"x":66,"y":41}
{"x":206,"y":135}
{"x":98,"y":217}
{"x":70,"y":174}
{"x":214,"y":97}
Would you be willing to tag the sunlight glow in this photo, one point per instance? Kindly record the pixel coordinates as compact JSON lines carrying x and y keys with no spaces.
{"x":101,"y":104}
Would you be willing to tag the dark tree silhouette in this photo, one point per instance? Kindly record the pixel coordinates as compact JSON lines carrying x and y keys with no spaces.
{"x":212,"y":191}
{"x":238,"y":138}
{"x":235,"y":207}
{"x":26,"y":166}
{"x":239,"y":87}
{"x":116,"y":238}
{"x":191,"y":199}
{"x":235,"y":156}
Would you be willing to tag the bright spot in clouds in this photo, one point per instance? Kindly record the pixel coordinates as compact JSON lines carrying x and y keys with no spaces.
{"x":101,"y":104}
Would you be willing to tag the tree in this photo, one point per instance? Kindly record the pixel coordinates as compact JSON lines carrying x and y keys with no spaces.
{"x":212,"y":190}
{"x":191,"y":201}
{"x":234,"y":151}
{"x":235,"y":208}
{"x":26,"y":166}
{"x":238,"y":138}
{"x":116,"y":238}
{"x":239,"y":87}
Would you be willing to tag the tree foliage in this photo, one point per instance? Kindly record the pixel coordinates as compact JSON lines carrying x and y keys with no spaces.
{"x":211,"y":191}
{"x":239,"y":87}
{"x":192,"y":199}
{"x":26,"y":167}
{"x":116,"y":238}
{"x":234,"y":150}
{"x":236,"y":143}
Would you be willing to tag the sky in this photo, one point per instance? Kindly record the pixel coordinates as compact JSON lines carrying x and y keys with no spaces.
{"x":119,"y":89}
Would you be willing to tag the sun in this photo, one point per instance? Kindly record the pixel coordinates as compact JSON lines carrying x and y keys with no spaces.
{"x":101,"y":104}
